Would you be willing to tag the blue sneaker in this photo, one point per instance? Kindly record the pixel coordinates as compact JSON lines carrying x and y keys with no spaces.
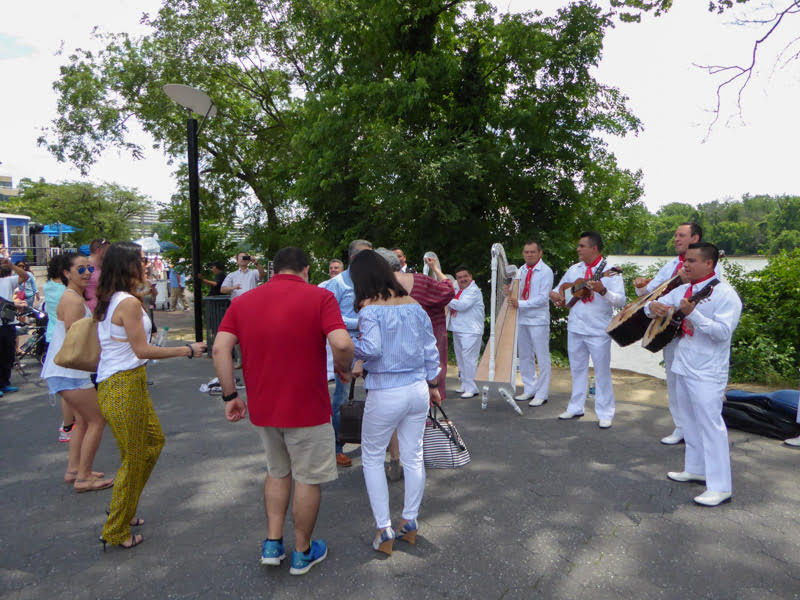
{"x":8,"y":389}
{"x":272,"y":553}
{"x":301,"y":563}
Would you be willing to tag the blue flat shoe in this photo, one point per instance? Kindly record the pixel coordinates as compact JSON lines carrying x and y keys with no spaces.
{"x":8,"y":389}
{"x":303,"y":561}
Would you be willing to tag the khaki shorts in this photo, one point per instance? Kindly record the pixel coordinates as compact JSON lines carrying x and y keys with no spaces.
{"x":308,"y":453}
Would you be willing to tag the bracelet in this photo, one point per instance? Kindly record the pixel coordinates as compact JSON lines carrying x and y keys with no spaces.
{"x":230,"y":396}
{"x":433,"y":386}
{"x":191,"y":351}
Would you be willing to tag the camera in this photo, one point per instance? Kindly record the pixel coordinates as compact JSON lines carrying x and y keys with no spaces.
{"x":247,"y":257}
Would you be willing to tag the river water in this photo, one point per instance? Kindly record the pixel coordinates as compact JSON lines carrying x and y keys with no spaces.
{"x":634,"y":357}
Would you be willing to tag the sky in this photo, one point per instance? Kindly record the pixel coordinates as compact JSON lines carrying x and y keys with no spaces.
{"x":651,"y":62}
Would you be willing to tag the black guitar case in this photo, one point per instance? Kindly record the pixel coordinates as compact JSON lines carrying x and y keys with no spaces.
{"x":771,"y":415}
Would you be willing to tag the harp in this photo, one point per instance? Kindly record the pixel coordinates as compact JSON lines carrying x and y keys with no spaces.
{"x":498,"y":365}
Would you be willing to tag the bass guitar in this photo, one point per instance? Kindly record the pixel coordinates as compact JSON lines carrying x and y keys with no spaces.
{"x":662,"y":330}
{"x":630,"y":324}
{"x":578,"y":289}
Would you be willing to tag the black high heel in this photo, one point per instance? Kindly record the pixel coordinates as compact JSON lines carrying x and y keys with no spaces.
{"x":134,"y":542}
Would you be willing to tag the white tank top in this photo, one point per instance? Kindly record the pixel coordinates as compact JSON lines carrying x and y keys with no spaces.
{"x":50,"y":368}
{"x":116,"y":355}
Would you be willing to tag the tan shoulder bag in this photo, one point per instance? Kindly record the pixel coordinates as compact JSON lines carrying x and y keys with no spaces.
{"x":81,"y":348}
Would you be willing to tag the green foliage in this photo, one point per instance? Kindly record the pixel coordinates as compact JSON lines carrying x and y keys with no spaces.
{"x":434,"y":125}
{"x":752,"y":225}
{"x":99,"y":211}
{"x":632,"y":10}
{"x":765,"y":343}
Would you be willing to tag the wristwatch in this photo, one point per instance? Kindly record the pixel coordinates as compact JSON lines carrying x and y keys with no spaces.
{"x":232,"y":396}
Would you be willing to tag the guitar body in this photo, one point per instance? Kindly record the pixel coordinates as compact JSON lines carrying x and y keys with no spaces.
{"x":577,"y":289}
{"x":630,"y":324}
{"x":662,"y":330}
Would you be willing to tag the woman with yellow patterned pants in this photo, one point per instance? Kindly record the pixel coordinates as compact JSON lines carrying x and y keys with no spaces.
{"x":124,"y":329}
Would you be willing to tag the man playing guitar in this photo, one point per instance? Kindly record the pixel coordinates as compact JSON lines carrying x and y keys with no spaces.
{"x":586,"y":329}
{"x":685,"y":234}
{"x":700,"y":371}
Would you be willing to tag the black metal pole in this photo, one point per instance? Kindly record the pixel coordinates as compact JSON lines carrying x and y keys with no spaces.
{"x":194,"y":207}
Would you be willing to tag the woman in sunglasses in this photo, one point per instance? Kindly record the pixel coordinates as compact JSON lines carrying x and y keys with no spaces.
{"x":75,"y":387}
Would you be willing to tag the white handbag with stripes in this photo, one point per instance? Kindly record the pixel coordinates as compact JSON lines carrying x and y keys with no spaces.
{"x":442,"y":446}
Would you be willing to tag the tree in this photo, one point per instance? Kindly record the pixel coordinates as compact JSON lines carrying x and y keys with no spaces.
{"x":432,"y":124}
{"x":736,"y":76}
{"x":98,"y":211}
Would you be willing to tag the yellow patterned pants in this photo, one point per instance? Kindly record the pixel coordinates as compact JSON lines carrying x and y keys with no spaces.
{"x":127,"y":408}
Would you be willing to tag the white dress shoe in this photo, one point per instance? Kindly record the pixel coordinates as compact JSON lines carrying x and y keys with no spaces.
{"x":676,"y":437}
{"x":793,"y":442}
{"x":604,"y":423}
{"x":709,"y":498}
{"x":523,"y":397}
{"x":566,"y":415}
{"x":467,"y":395}
{"x":686,"y":477}
{"x":537,"y":402}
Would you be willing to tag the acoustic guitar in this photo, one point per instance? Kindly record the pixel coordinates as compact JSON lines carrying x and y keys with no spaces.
{"x":578,"y":289}
{"x":662,"y":330}
{"x":630,"y":324}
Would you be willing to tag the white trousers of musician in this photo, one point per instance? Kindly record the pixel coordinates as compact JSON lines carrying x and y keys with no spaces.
{"x":674,"y":409}
{"x":704,"y":431}
{"x":467,"y":347}
{"x":533,"y":346}
{"x":580,"y":348}
{"x":404,"y":409}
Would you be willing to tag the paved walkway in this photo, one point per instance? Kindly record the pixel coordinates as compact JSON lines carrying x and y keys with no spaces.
{"x":546,"y":509}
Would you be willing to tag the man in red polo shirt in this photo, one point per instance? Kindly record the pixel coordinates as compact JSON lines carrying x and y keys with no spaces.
{"x":281,"y":328}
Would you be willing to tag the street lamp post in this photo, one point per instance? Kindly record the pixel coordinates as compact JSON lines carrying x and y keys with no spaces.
{"x":195,"y":101}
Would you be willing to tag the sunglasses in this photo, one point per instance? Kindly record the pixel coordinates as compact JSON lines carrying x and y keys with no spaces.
{"x":82,"y":269}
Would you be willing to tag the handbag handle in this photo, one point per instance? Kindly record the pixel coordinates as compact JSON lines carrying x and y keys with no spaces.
{"x":448,"y":434}
{"x":352,"y":389}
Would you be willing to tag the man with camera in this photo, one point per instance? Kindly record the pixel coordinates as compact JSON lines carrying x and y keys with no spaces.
{"x":243,"y":279}
{"x":10,"y":277}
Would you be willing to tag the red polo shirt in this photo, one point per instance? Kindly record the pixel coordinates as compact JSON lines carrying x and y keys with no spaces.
{"x":282,"y":326}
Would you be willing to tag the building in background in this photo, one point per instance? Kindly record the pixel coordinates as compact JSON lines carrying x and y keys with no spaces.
{"x":7,"y":189}
{"x":143,"y":224}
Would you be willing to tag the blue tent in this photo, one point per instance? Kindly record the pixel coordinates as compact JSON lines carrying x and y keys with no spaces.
{"x":167,"y":245}
{"x":58,"y":229}
{"x":84,"y":250}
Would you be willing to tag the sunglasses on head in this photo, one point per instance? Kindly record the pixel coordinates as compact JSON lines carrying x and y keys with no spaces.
{"x":83,"y":268}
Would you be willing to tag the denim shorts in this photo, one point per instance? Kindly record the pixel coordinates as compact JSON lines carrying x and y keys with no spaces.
{"x":59,"y":384}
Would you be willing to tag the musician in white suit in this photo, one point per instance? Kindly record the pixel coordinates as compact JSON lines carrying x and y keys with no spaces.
{"x":700,"y":364}
{"x":586,"y":329}
{"x":685,"y":234}
{"x":533,"y":324}
{"x":466,"y":322}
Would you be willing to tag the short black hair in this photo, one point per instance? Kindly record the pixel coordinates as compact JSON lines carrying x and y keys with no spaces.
{"x":460,"y":268}
{"x":595,"y":238}
{"x":218,"y":264}
{"x":529,"y":242}
{"x":373,"y":278}
{"x":695,"y":229}
{"x":54,"y":267}
{"x":290,"y":258}
{"x":707,"y":250}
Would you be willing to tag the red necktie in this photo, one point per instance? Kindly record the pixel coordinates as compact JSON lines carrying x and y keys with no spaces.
{"x":685,"y":330}
{"x":526,"y":291}
{"x":587,"y":276}
{"x":679,"y":266}
{"x":453,"y":311}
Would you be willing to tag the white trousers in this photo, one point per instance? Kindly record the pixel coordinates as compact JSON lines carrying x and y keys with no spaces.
{"x":402,"y":408}
{"x":704,"y":431}
{"x":674,"y":410}
{"x":580,"y":348}
{"x":533,"y":346}
{"x":467,"y":347}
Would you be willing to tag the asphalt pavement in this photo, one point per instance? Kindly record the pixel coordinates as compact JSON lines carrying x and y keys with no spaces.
{"x":546,"y":509}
